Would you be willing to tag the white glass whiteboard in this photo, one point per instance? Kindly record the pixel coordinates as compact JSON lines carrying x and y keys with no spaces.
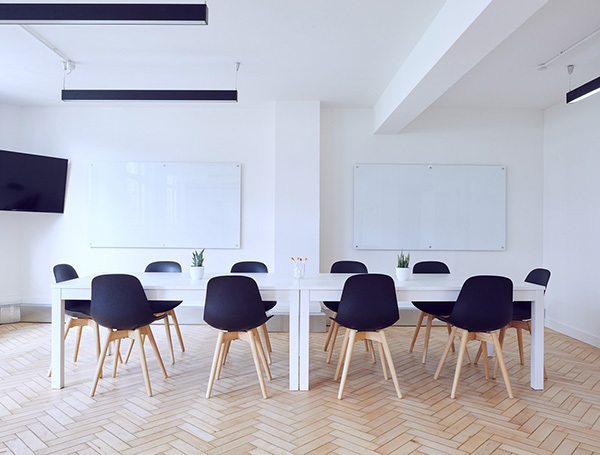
{"x":429,"y":207}
{"x":171,"y":205}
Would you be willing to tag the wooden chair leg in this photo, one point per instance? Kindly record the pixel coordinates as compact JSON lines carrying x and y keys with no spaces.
{"x":500,"y":358}
{"x":446,"y":352}
{"x":342,"y":355}
{"x":222,"y":355}
{"x":416,"y":333}
{"x":261,"y":354}
{"x":333,"y":337}
{"x":520,"y":344}
{"x":150,"y":335}
{"x":501,"y":341}
{"x":169,"y":340}
{"x":478,"y":355}
{"x":383,"y":362}
{"x":427,"y":335}
{"x":101,"y":362}
{"x":350,"y":342}
{"x":216,"y":362}
{"x":177,"y":330}
{"x":77,"y":343}
{"x":267,"y":350}
{"x":252,"y":340}
{"x":390,"y":362}
{"x":116,"y":360}
{"x":372,"y":350}
{"x":129,"y":350}
{"x":449,"y":328}
{"x":138,"y":337}
{"x":329,"y":333}
{"x":486,"y":363}
{"x":461,"y":356}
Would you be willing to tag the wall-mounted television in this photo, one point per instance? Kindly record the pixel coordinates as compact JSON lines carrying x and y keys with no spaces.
{"x":32,"y":183}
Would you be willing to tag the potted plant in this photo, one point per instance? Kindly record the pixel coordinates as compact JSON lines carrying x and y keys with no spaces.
{"x":197,"y":267}
{"x":402,"y":269}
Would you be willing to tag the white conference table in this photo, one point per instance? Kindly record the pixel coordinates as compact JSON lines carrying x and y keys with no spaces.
{"x":301,"y":295}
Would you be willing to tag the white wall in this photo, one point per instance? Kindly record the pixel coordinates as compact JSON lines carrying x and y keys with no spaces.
{"x":439,"y":136}
{"x":84,"y":135}
{"x":10,"y":222}
{"x":572,"y":218}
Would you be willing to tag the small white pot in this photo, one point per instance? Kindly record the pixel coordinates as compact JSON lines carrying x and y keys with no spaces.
{"x":402,"y":274}
{"x":196,"y":272}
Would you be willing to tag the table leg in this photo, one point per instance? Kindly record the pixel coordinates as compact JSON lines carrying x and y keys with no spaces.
{"x":294,"y":303}
{"x":57,"y":343}
{"x":304,"y":339}
{"x":537,"y":341}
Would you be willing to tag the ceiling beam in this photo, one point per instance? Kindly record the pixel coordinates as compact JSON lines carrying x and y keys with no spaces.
{"x":460,"y":36}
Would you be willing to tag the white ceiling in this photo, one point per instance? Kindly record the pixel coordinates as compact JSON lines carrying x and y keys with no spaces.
{"x":343,"y":53}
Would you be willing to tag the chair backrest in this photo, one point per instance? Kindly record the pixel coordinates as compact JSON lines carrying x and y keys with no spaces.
{"x":348,"y":267}
{"x":233,"y":303}
{"x":368,"y":302}
{"x":539,"y":276}
{"x":430,"y":267}
{"x":163,"y":266}
{"x":64,"y":272}
{"x":249,"y":267}
{"x":119,"y":302}
{"x":484,"y":303}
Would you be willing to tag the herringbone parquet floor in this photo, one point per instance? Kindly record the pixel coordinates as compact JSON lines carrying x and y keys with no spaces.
{"x":121,"y":418}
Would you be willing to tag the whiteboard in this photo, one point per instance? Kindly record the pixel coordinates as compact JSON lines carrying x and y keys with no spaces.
{"x":170,"y":205}
{"x":429,"y":207}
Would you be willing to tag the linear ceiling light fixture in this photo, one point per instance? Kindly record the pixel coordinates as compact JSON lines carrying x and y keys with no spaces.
{"x":211,"y":96}
{"x":104,"y":13}
{"x":151,"y":95}
{"x":584,"y":91}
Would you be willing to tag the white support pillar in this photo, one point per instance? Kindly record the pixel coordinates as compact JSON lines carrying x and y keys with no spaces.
{"x":297,"y":183}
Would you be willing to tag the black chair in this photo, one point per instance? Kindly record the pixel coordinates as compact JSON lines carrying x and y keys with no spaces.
{"x":257,"y":267}
{"x":120,"y":304}
{"x":339,"y":267}
{"x":522,"y":314}
{"x":484,"y":304}
{"x":429,"y":309}
{"x":167,"y":307}
{"x":234,"y":306}
{"x":367,"y":307}
{"x":77,"y":310}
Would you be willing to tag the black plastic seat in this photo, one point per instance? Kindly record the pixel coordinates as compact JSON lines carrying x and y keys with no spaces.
{"x":367,"y":307}
{"x":258,"y":267}
{"x":339,"y":267}
{"x":166,"y":307}
{"x":120,"y":304}
{"x":233,"y":306}
{"x":429,"y":309}
{"x":483,"y":306}
{"x":77,"y":310}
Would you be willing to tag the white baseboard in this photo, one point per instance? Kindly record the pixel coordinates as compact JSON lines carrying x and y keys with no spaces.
{"x":573,"y":332}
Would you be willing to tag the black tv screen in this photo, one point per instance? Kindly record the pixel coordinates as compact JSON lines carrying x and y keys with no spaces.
{"x":32,"y":183}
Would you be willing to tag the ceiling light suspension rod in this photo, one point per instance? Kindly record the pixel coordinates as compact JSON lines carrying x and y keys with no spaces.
{"x":543,"y":66}
{"x":49,"y":45}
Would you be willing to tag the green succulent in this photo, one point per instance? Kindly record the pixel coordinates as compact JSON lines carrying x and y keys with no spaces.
{"x":403,"y":260}
{"x":198,"y":258}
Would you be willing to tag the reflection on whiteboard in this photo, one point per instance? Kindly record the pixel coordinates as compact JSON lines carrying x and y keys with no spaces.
{"x":429,"y":207}
{"x":172,"y":205}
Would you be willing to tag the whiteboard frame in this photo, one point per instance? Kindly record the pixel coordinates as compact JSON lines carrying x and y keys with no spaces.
{"x":429,"y":207}
{"x":164,"y":205}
